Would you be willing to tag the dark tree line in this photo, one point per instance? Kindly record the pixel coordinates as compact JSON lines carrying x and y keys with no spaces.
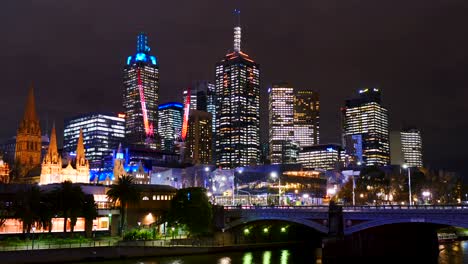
{"x":35,"y":207}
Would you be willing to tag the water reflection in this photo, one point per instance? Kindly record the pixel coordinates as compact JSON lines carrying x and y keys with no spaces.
{"x":225,"y":260}
{"x":284,"y":256}
{"x":247,"y":258}
{"x":456,"y":253}
{"x":266,"y":257}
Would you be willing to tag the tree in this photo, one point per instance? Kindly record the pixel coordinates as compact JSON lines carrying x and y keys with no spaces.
{"x":89,"y":212}
{"x":69,"y":203}
{"x":27,"y":207}
{"x":190,"y":207}
{"x":125,"y":192}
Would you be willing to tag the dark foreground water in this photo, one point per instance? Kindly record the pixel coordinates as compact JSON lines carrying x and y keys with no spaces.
{"x":454,"y":253}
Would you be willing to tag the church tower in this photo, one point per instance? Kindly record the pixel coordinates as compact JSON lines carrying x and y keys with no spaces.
{"x":52,"y":164}
{"x":28,"y":138}
{"x":119,"y":164}
{"x":82,"y":164}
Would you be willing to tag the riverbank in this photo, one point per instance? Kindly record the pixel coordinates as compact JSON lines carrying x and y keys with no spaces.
{"x":121,"y":252}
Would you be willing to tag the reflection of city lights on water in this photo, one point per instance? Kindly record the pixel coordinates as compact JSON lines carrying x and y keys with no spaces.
{"x":267,"y":257}
{"x":225,"y":260}
{"x":247,"y":259}
{"x":284,"y":256}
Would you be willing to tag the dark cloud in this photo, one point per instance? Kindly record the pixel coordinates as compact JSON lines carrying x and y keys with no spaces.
{"x":416,"y":51}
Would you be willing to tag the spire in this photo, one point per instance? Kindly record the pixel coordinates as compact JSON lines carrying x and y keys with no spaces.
{"x":80,"y":151}
{"x":53,"y":143}
{"x":237,"y":31}
{"x":30,"y":111}
{"x":142,"y":43}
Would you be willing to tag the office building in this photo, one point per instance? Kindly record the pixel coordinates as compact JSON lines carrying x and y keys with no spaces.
{"x":406,"y":147}
{"x":366,"y":129}
{"x":321,"y":157}
{"x":281,"y":120}
{"x":102,"y":133}
{"x":411,"y":145}
{"x":306,"y":118}
{"x":237,"y":108}
{"x":199,"y":139}
{"x":141,"y":96}
{"x":170,"y":124}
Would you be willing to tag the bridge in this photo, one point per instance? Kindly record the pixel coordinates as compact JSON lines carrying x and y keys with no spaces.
{"x":351,"y":219}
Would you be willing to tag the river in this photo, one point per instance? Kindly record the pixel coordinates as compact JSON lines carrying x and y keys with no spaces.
{"x":454,"y":253}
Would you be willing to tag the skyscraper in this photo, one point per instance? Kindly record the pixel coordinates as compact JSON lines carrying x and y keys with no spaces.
{"x":411,"y":144}
{"x":365,"y":128}
{"x":281,"y":120}
{"x":237,"y":108}
{"x":28,"y":137}
{"x":141,"y":96}
{"x":102,"y":134}
{"x":170,"y":124}
{"x":202,"y":98}
{"x":198,"y":143}
{"x":406,"y":147}
{"x":306,"y":118}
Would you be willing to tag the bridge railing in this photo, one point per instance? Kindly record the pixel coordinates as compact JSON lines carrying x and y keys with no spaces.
{"x":404,"y":207}
{"x":351,"y":208}
{"x":278,"y":207}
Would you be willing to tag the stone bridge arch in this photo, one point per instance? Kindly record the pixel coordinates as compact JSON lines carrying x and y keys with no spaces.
{"x":389,"y":221}
{"x":305,"y":222}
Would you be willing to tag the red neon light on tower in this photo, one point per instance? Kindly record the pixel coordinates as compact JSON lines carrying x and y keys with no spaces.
{"x":186,"y":115}
{"x":148,"y":126}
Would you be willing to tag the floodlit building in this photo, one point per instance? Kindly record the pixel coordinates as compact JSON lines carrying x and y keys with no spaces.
{"x":52,"y":170}
{"x":366,"y":129}
{"x":141,"y":96}
{"x":321,"y":157}
{"x":4,"y":171}
{"x":170,"y":124}
{"x":306,"y":118}
{"x":102,"y":134}
{"x":281,"y":120}
{"x":237,"y":108}
{"x":406,"y":147}
{"x":28,"y":139}
{"x":198,"y":143}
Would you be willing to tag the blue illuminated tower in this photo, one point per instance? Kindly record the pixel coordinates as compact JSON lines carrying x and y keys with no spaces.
{"x":141,"y":96}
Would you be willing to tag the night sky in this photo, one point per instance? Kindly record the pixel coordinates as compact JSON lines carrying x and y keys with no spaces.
{"x":415,"y":51}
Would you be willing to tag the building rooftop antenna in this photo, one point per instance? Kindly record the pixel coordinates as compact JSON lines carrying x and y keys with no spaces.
{"x":237,"y":31}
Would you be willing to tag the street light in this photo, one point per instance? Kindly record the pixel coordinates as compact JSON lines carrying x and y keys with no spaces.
{"x":426,"y":194}
{"x":274,"y":175}
{"x":405,"y":166}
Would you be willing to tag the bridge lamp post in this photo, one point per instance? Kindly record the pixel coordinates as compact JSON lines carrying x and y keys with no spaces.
{"x":426,"y":195}
{"x":405,"y":166}
{"x":274,"y":175}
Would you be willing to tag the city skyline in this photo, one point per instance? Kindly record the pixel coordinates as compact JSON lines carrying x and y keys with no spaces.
{"x":399,"y":82}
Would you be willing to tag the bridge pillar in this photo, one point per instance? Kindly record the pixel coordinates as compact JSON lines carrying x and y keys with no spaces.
{"x":335,"y":220}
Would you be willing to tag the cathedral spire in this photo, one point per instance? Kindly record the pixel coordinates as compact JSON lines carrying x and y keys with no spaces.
{"x":30,"y":110}
{"x":53,"y":149}
{"x":237,"y":31}
{"x":80,"y":151}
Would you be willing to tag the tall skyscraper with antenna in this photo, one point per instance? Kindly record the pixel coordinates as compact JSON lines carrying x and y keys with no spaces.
{"x":141,"y":96}
{"x":237,"y":107}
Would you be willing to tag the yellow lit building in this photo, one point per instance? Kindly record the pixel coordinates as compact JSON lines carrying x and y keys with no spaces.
{"x":28,"y":139}
{"x":52,"y":170}
{"x":4,"y":171}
